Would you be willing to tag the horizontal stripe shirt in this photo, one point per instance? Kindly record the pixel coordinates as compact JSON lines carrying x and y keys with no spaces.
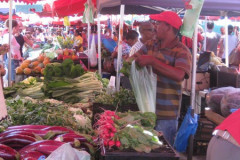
{"x":169,"y":91}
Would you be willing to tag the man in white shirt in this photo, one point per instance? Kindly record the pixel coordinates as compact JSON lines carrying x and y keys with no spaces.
{"x":146,"y":30}
{"x":232,"y":43}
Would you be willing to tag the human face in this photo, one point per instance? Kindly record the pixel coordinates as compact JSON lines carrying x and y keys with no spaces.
{"x":15,"y":29}
{"x":162,"y":29}
{"x":147,"y":32}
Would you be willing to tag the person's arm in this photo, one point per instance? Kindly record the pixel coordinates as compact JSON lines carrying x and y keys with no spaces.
{"x":161,"y":68}
{"x":28,"y":41}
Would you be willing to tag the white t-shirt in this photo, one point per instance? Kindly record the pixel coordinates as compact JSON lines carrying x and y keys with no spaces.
{"x":232,"y":43}
{"x":136,"y":47}
{"x":15,"y":49}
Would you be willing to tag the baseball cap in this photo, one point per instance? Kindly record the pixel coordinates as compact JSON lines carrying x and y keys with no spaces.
{"x":169,"y":17}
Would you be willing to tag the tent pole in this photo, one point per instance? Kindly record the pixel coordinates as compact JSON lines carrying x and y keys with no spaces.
{"x":194,"y":68}
{"x":10,"y":38}
{"x":119,"y":57}
{"x":226,"y":42}
{"x":89,"y":27}
{"x":99,"y":48}
{"x":205,"y":37}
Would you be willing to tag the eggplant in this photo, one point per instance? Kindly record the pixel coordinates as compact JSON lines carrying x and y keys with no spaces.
{"x":46,"y":149}
{"x":33,"y":155}
{"x":34,"y":131}
{"x":22,"y":132}
{"x":58,"y":128}
{"x":8,"y":153}
{"x":33,"y":146}
{"x":69,"y":137}
{"x":27,"y":127}
{"x":18,"y":136}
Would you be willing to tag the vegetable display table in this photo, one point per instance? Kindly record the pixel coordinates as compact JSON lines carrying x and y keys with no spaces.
{"x":166,"y":152}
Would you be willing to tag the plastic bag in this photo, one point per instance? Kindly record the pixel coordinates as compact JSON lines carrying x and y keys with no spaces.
{"x":214,"y":98}
{"x":230,"y":100}
{"x":66,"y":152}
{"x":188,"y":127}
{"x":93,"y":54}
{"x":144,"y":84}
{"x":190,"y":18}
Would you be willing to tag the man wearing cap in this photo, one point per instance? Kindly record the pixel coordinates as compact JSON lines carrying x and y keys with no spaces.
{"x":171,"y":61}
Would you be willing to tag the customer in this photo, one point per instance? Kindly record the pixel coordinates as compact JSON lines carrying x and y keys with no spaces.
{"x":232,"y":43}
{"x":16,"y":57}
{"x":225,"y":143}
{"x":146,"y":30}
{"x":171,"y":61}
{"x":212,"y":38}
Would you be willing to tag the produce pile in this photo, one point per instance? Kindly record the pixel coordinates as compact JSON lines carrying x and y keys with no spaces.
{"x":65,"y":42}
{"x":121,"y":98}
{"x":66,"y":53}
{"x":33,"y":141}
{"x":47,"y":112}
{"x":33,"y":67}
{"x":129,"y":130}
{"x":31,"y":86}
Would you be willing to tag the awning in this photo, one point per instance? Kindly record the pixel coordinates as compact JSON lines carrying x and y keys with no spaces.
{"x":62,"y":8}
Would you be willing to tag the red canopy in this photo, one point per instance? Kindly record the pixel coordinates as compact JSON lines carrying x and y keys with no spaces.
{"x":47,"y":11}
{"x":5,"y":17}
{"x":25,"y":1}
{"x":62,"y":8}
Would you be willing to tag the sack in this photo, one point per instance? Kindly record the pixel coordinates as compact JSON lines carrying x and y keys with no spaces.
{"x":144,"y":85}
{"x":93,"y":54}
{"x":234,"y":57}
{"x":66,"y":152}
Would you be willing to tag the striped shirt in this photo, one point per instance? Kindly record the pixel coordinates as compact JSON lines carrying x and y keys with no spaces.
{"x":169,"y":92}
{"x":136,"y":47}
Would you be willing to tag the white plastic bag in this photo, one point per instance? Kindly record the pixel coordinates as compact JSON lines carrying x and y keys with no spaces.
{"x":144,"y":84}
{"x":93,"y":53}
{"x":66,"y":152}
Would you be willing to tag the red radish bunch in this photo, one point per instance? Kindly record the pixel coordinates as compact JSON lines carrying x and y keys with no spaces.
{"x":106,"y":129}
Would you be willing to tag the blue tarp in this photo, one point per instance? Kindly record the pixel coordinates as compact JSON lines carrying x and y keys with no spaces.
{"x":4,"y":11}
{"x":26,"y":8}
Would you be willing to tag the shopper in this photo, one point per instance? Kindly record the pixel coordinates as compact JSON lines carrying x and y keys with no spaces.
{"x":225,"y":143}
{"x":212,"y":38}
{"x":16,"y":57}
{"x":146,"y":30}
{"x":171,"y":61}
{"x":232,"y":43}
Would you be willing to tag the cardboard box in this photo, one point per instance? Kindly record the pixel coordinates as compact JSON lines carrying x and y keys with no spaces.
{"x":202,"y":82}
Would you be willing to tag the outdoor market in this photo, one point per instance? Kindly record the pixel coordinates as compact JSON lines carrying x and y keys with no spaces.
{"x":119,"y":80}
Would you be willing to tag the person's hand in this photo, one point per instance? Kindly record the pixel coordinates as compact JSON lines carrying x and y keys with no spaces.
{"x":2,"y":70}
{"x":144,"y":60}
{"x":4,"y":49}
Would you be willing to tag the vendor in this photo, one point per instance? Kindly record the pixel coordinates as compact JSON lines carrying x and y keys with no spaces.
{"x":171,"y":61}
{"x":78,"y":40}
{"x":225,"y":143}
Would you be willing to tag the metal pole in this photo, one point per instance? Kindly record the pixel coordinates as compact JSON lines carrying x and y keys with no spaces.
{"x":10,"y":39}
{"x":226,"y":42}
{"x":99,"y":48}
{"x":119,"y":58}
{"x":205,"y":37}
{"x":194,"y":68}
{"x":89,"y":30}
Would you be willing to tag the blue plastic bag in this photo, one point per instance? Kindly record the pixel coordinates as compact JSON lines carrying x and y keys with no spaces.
{"x":109,"y":44}
{"x":188,"y":127}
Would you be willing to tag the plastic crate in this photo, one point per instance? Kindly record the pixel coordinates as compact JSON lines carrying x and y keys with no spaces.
{"x":203,"y":135}
{"x":164,"y":153}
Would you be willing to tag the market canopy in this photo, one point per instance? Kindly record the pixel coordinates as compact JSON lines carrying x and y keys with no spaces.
{"x":25,"y":1}
{"x":62,"y":8}
{"x":210,"y":7}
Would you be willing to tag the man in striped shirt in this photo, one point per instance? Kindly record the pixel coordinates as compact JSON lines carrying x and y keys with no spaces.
{"x":171,"y":61}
